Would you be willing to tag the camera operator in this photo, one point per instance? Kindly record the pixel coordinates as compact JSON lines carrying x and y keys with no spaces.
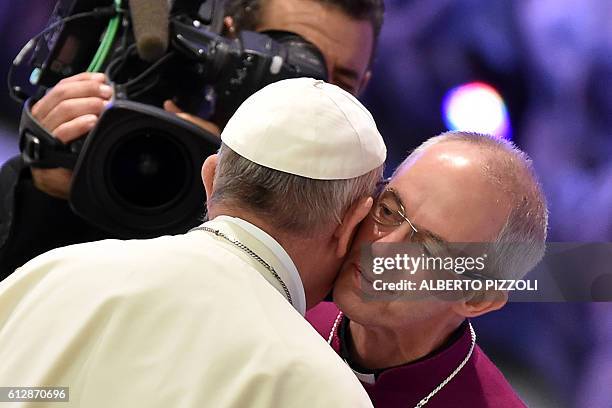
{"x":34,"y":212}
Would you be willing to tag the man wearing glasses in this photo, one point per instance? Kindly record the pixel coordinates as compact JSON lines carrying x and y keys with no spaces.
{"x":455,"y":188}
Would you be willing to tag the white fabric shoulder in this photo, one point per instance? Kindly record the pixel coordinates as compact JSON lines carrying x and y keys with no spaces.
{"x":163,"y":323}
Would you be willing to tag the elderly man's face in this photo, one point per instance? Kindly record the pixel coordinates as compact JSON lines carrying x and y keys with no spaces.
{"x":445,"y":193}
{"x":345,"y":43}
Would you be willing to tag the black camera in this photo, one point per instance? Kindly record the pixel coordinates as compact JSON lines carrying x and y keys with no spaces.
{"x":137,"y":173}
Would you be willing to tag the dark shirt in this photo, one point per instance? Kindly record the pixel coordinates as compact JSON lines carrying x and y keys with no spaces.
{"x":32,"y":222}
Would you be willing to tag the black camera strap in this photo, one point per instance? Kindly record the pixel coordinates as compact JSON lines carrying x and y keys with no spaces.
{"x":39,"y":148}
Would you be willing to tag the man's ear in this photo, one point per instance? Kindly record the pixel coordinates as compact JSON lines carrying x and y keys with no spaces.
{"x":209,"y":169}
{"x":346,"y":230}
{"x":481,"y":304}
{"x":364,"y":82}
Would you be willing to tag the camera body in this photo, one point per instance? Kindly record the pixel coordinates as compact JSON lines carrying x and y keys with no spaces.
{"x":136,"y":173}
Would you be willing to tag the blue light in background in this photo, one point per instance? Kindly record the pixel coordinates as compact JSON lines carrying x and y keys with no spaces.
{"x":476,"y":107}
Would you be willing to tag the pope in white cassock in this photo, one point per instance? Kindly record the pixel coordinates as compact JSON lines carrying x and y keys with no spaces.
{"x":214,"y":317}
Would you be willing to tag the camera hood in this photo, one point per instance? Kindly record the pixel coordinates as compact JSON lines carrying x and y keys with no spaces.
{"x":137,"y":175}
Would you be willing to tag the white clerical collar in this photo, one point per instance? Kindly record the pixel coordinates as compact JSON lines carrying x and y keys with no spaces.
{"x":289,"y":273}
{"x":366,"y":378}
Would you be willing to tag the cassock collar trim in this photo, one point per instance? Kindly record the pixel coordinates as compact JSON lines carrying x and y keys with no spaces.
{"x":289,"y":273}
{"x":365,"y":378}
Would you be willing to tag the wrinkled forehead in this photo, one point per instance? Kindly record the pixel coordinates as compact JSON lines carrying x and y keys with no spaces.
{"x":446,"y":190}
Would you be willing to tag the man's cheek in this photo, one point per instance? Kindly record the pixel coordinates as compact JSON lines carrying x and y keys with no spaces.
{"x":367,"y":232}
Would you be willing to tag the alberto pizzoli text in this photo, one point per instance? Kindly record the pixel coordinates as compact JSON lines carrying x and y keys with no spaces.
{"x":473,"y":268}
{"x":457,"y":285}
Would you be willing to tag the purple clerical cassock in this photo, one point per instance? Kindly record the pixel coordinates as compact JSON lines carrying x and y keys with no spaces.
{"x":478,"y":384}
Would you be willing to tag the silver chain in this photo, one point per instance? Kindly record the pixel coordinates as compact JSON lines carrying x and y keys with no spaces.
{"x":334,"y":327}
{"x":252,"y":255}
{"x":443,"y":383}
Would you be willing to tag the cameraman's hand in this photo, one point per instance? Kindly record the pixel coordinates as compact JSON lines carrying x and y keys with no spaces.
{"x":68,"y":111}
{"x":204,"y":124}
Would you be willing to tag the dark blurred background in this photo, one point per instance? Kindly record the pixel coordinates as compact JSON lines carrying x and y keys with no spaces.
{"x":536,"y":71}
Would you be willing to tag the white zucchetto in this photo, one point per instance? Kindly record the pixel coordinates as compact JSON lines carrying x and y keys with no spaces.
{"x":306,"y":127}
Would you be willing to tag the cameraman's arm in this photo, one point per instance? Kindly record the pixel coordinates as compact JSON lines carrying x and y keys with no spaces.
{"x":34,"y":214}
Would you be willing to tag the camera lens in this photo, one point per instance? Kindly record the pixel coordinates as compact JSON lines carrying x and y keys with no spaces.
{"x":149,"y":170}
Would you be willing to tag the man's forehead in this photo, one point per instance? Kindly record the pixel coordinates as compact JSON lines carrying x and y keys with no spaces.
{"x":446,"y":163}
{"x":446,"y":191}
{"x":453,"y":153}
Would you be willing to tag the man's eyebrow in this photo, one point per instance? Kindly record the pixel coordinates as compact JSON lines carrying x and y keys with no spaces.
{"x":429,"y":234}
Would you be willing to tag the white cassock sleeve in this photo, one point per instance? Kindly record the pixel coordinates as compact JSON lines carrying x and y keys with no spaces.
{"x":124,"y":324}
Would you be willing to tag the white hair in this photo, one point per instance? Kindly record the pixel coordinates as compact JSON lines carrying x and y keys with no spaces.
{"x":291,"y":203}
{"x":521,"y":243}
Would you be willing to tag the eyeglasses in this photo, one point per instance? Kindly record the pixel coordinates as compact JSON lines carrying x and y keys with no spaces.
{"x":389,"y":213}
